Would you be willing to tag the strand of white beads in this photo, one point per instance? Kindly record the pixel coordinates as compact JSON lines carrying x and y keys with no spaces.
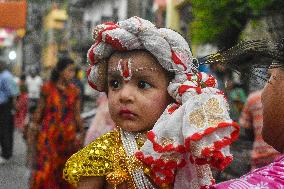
{"x":130,"y":147}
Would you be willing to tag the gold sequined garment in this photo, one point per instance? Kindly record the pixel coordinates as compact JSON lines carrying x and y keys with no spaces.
{"x":103,"y":157}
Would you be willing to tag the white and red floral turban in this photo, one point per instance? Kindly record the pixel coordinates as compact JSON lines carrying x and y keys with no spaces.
{"x":192,"y":134}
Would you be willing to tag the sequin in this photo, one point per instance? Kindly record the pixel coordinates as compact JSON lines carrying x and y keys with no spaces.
{"x":133,"y":163}
{"x":197,"y":118}
{"x":166,"y":141}
{"x":97,"y":30}
{"x":169,"y":157}
{"x":209,"y":114}
{"x":94,"y":160}
{"x":196,"y":147}
{"x":213,"y":106}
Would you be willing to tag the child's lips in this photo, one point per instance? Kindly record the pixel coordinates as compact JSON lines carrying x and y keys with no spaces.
{"x":127,"y":114}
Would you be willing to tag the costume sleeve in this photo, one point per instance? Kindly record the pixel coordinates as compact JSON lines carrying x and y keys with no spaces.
{"x":209,"y":130}
{"x":93,"y":160}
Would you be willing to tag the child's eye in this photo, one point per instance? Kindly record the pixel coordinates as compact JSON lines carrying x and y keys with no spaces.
{"x":114,"y":84}
{"x":144,"y":85}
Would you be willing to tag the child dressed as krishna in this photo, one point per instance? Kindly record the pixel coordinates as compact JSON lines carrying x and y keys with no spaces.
{"x":172,"y":122}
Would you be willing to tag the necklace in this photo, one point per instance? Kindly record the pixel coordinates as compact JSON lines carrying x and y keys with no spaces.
{"x":135,"y":169}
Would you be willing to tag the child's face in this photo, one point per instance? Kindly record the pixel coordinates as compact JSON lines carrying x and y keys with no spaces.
{"x":137,"y":90}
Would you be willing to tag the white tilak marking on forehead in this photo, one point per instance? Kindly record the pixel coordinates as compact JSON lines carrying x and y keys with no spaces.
{"x":125,"y":69}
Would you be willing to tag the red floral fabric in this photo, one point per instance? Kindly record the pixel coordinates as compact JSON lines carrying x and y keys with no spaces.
{"x":56,"y":140}
{"x":21,"y":114}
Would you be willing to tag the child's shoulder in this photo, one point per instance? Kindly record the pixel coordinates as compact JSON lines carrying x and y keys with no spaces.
{"x":105,"y":142}
{"x":96,"y":159}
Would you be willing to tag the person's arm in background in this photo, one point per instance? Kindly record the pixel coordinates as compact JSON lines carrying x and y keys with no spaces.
{"x":246,"y":120}
{"x":36,"y":117}
{"x":13,"y":91}
{"x":39,"y":111}
{"x":79,"y":122}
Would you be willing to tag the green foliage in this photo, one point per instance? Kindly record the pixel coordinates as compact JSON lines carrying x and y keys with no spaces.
{"x":213,"y":19}
{"x":269,"y":6}
{"x":258,"y":5}
{"x":221,"y":21}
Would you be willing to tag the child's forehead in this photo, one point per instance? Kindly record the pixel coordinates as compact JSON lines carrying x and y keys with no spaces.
{"x":135,"y":61}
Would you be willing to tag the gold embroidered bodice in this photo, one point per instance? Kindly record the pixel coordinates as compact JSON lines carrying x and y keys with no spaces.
{"x":104,"y":157}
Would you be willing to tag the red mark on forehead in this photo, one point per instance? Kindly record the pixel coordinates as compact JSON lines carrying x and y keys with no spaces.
{"x":125,"y":69}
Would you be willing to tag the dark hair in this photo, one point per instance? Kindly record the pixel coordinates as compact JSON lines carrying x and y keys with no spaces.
{"x":23,"y":77}
{"x":60,"y":66}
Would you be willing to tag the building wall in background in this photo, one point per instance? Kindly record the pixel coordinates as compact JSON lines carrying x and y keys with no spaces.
{"x":102,"y":11}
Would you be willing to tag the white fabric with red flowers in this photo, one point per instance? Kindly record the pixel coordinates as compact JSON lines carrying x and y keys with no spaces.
{"x":192,"y":134}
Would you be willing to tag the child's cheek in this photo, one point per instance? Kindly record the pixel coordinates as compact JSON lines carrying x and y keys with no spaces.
{"x":158,"y":103}
{"x":112,"y":104}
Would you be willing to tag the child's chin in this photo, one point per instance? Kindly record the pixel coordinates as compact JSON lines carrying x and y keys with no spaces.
{"x":130,"y":129}
{"x":134,"y":128}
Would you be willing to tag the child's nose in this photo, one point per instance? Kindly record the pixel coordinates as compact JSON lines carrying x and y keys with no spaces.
{"x":127,"y":94}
